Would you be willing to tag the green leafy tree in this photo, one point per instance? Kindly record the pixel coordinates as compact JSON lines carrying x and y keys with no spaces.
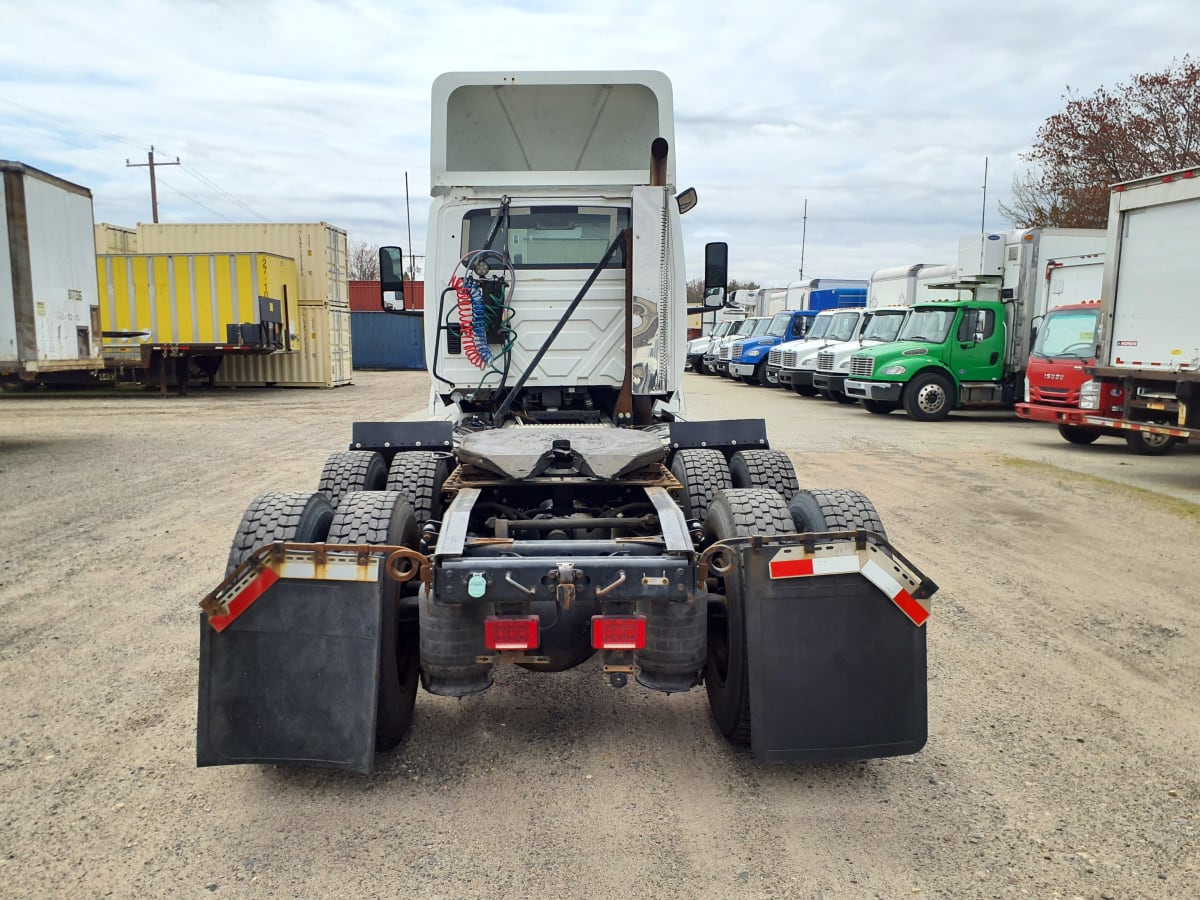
{"x":1147,"y":125}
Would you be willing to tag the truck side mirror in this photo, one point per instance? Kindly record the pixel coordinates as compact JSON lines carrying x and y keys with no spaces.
{"x":391,"y":279}
{"x":687,"y":200}
{"x":716,"y":274}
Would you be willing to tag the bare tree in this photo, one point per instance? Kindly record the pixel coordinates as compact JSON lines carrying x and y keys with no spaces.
{"x":695,"y":289}
{"x":364,"y":261}
{"x":1147,"y":125}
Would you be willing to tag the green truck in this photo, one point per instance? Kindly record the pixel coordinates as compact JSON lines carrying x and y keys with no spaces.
{"x":953,"y":354}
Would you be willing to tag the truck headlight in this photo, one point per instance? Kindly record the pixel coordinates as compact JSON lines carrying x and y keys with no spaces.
{"x":892,"y":370}
{"x":1089,"y":395}
{"x":807,"y":363}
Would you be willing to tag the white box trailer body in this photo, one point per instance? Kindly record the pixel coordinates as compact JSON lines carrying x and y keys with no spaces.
{"x":1074,"y":279}
{"x":1151,"y":293}
{"x":906,"y":285}
{"x":1147,"y":378}
{"x":49,"y":305}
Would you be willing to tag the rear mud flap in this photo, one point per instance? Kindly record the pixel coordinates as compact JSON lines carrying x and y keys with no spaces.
{"x":294,"y":678}
{"x":837,"y":669}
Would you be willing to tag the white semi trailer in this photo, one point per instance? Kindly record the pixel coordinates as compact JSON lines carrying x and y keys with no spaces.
{"x":49,"y":304}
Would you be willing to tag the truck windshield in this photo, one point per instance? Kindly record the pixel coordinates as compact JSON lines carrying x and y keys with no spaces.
{"x":884,"y":326}
{"x":550,"y":237}
{"x":779,"y":324}
{"x":930,"y":325}
{"x":721,"y":328}
{"x":741,"y":326}
{"x":818,"y":327}
{"x":842,"y":326}
{"x":760,"y":327}
{"x":1068,"y":333}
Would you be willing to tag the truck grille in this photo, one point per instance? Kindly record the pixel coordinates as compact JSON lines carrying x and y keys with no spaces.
{"x":789,"y":359}
{"x":727,"y":351}
{"x":862,"y":365}
{"x":1054,"y":396}
{"x":775,"y":357}
{"x":825,"y":361}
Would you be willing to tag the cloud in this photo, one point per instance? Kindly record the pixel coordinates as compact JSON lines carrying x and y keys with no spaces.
{"x":879,"y":115}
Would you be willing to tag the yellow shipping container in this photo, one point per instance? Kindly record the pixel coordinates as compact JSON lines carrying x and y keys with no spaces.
{"x":323,"y":358}
{"x":186,"y":301}
{"x":319,"y":249}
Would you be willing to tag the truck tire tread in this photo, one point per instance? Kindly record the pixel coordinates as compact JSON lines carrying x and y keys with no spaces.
{"x":385,"y":517}
{"x":418,"y":475}
{"x":352,"y":470}
{"x":737,"y":512}
{"x":834,"y":509}
{"x":764,"y":469}
{"x":280,"y":516}
{"x":702,"y":472}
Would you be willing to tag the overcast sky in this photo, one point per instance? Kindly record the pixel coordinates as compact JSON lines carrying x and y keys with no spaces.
{"x":879,"y":113}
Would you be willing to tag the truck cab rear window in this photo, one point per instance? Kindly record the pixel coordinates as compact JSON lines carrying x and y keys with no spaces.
{"x":550,"y":237}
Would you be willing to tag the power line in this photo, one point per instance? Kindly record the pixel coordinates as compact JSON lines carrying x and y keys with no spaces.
{"x":220,"y":190}
{"x":194,"y":200}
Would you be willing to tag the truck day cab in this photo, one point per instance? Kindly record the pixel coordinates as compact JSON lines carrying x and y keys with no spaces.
{"x":556,"y":505}
{"x":798,"y":362}
{"x":953,"y":354}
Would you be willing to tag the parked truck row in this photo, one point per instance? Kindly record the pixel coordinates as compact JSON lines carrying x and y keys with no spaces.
{"x":934,"y":338}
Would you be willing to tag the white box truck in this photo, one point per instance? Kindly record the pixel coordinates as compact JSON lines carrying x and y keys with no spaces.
{"x":1147,"y":377}
{"x":49,"y":305}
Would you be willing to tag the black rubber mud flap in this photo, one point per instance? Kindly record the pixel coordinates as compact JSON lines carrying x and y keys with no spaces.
{"x":294,"y":679}
{"x":837,"y":671}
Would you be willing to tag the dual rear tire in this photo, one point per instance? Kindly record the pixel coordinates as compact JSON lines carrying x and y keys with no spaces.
{"x":743,"y":512}
{"x":362,"y":517}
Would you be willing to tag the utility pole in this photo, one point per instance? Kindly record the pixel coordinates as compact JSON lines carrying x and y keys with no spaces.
{"x":803,"y":236}
{"x":983,"y":214}
{"x":412,"y":259}
{"x":153,"y":185}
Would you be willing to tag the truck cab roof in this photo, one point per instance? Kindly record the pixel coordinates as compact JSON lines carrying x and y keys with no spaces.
{"x":492,"y":128}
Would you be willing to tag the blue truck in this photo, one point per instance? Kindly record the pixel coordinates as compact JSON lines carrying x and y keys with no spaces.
{"x":748,"y":357}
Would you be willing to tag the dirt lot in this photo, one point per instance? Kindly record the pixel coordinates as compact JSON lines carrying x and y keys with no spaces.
{"x":1064,"y":684}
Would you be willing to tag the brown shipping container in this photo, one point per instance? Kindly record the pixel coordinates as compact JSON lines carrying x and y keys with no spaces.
{"x":364,"y":296}
{"x":318,"y":248}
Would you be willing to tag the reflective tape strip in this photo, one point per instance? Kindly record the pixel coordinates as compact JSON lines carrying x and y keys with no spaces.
{"x":875,"y":574}
{"x":337,"y":567}
{"x":816,"y":565}
{"x":787,"y":565}
{"x":241,"y":602}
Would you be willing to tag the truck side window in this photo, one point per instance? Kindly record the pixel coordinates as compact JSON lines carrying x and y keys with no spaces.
{"x":977,"y":321}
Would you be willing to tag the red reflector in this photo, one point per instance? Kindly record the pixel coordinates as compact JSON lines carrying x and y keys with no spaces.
{"x":510,"y":632}
{"x":618,"y":632}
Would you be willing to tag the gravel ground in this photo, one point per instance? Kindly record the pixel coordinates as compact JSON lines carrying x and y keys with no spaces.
{"x":1064,"y":670}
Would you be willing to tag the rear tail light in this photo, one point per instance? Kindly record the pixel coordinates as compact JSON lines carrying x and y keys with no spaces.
{"x":618,"y":632}
{"x":510,"y":632}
